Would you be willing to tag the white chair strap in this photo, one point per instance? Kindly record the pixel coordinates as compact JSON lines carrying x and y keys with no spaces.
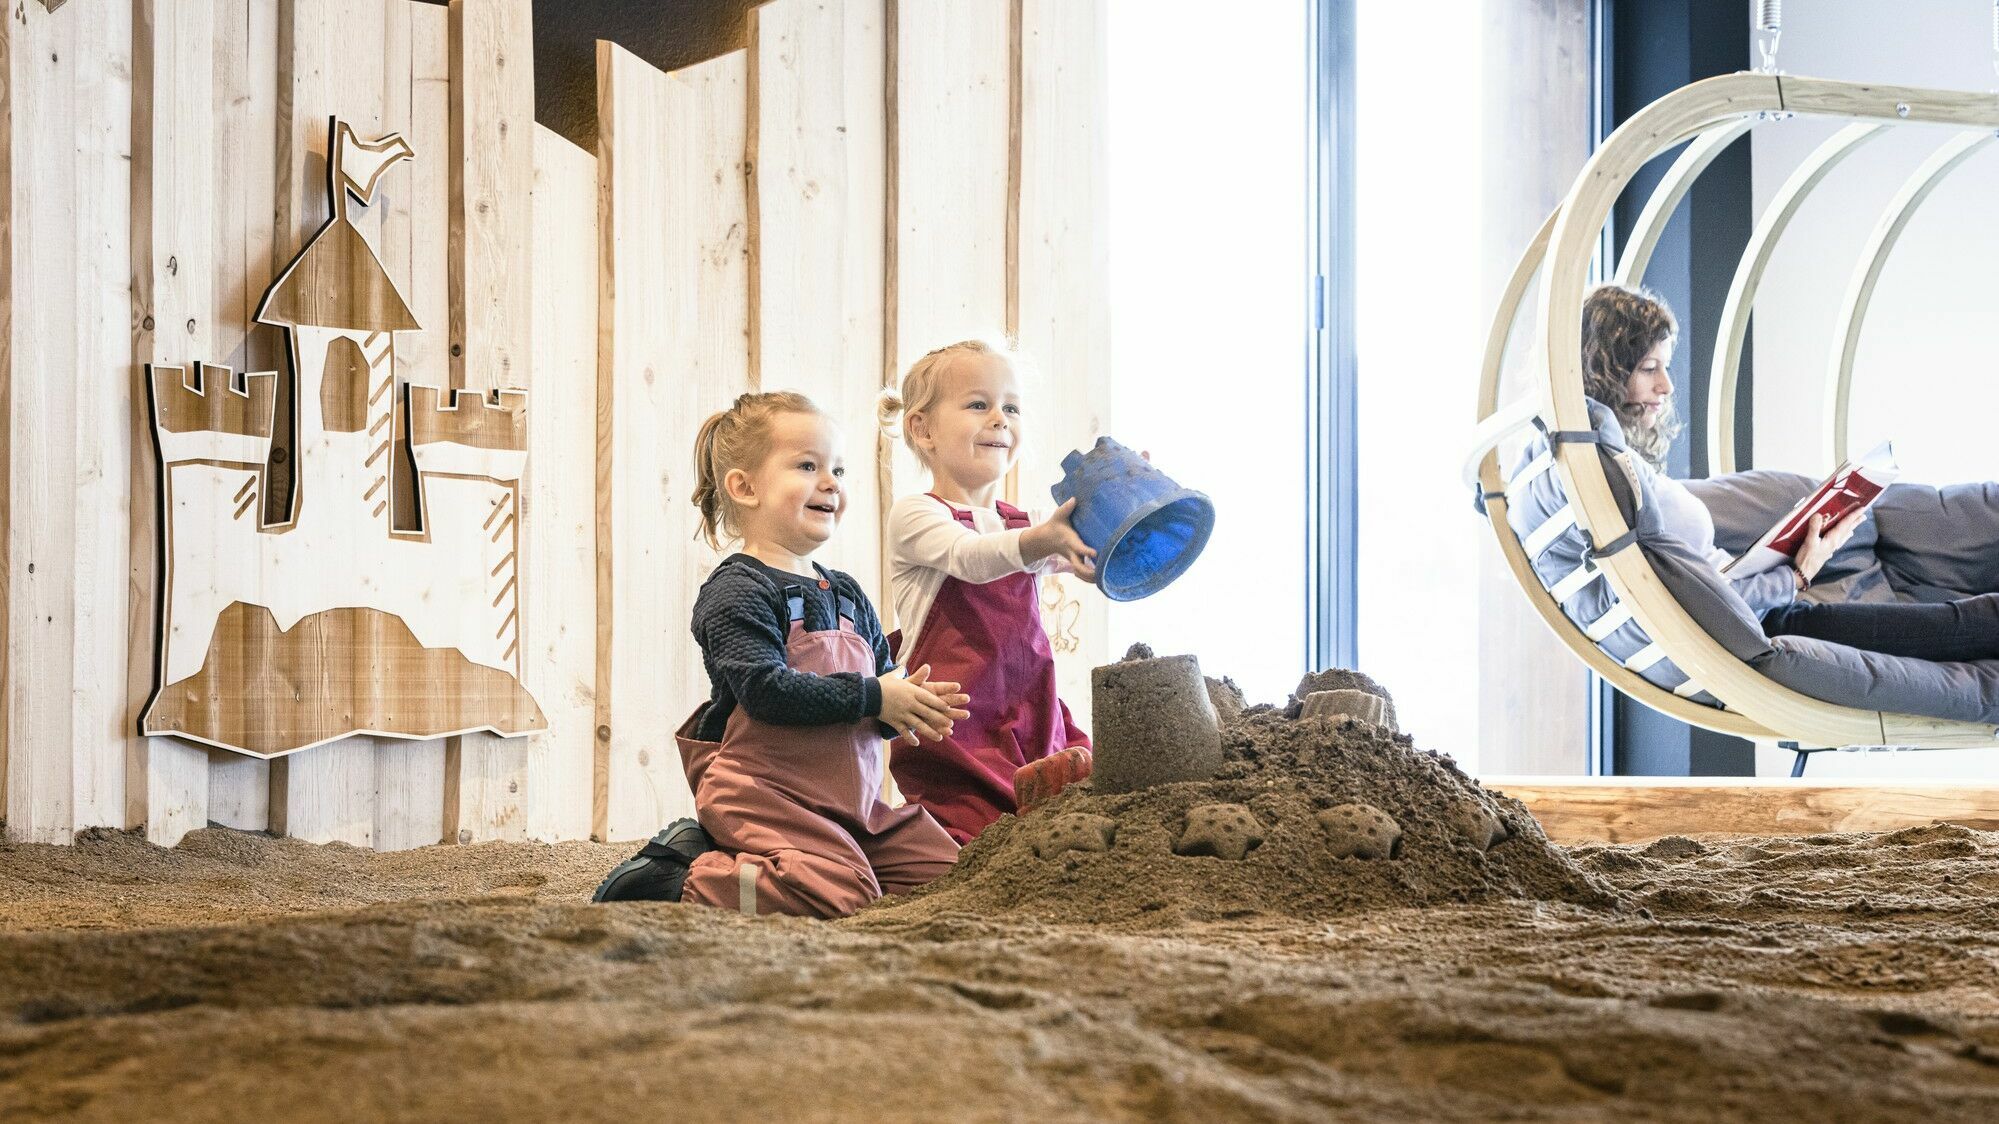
{"x":1612,"y":619}
{"x":1541,"y":463}
{"x":1645,"y":657}
{"x":1551,"y":529}
{"x":1575,"y":580}
{"x":1494,"y":429}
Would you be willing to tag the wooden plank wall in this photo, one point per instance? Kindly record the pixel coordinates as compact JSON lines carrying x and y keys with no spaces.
{"x":412,"y":778}
{"x":7,"y":97}
{"x":363,"y":791}
{"x":559,"y":633}
{"x":492,"y":317}
{"x":819,"y":187}
{"x":70,"y":388}
{"x":866,"y":180}
{"x":673,"y":348}
{"x":178,"y":54}
{"x":1062,"y":287}
{"x":951,"y":194}
{"x":243,"y":183}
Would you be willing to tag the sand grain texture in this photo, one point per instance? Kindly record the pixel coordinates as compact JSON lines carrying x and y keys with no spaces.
{"x":240,"y":977}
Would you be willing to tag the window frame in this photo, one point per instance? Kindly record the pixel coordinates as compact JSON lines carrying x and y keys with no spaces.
{"x":1331,"y":424}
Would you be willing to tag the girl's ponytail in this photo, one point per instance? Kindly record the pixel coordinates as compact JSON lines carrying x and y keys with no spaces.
{"x":889,"y":411}
{"x":707,"y":480}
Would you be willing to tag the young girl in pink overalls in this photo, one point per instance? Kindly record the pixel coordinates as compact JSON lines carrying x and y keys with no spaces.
{"x":963,"y":573}
{"x":785,"y":757}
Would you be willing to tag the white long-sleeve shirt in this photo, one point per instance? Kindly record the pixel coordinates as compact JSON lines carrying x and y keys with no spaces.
{"x":1682,"y":514}
{"x":927,"y":544}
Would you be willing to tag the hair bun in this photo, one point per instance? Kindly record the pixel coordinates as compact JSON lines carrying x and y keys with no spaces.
{"x":889,"y":408}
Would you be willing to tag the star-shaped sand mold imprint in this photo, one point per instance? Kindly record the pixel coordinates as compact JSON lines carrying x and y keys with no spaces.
{"x":1075,"y":831}
{"x":1225,"y":831}
{"x":1360,"y":831}
{"x":1478,"y":826}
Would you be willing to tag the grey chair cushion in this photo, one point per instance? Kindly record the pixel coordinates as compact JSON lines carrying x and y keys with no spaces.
{"x":1923,"y":544}
{"x":1746,"y":504}
{"x":1956,"y":691}
{"x":1938,"y":544}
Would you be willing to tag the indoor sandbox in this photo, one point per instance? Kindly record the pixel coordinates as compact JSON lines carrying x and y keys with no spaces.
{"x":1107,"y":956}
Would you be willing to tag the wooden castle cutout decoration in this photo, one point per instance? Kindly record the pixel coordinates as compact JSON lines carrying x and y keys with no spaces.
{"x":339,"y":550}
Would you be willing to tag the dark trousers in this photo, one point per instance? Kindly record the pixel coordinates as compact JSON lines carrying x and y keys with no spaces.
{"x":1949,"y":630}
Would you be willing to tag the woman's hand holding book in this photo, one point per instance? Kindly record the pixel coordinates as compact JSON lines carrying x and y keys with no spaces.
{"x":1821,"y":542}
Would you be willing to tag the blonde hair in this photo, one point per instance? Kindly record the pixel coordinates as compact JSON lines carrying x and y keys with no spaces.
{"x":738,"y":437}
{"x":923,"y":385}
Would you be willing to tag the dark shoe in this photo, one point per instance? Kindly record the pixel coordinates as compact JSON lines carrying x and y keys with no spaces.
{"x":659,"y":870}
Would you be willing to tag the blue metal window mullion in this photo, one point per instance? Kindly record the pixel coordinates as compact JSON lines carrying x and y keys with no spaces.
{"x":1603,"y":697}
{"x":1330,"y":420}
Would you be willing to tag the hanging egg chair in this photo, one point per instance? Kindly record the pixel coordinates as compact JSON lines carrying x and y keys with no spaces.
{"x":1586,"y":554}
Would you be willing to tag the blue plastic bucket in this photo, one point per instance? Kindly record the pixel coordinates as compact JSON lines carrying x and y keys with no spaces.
{"x":1145,"y":528}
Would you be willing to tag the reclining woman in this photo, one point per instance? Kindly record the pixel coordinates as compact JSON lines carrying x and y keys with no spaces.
{"x":1627,"y":350}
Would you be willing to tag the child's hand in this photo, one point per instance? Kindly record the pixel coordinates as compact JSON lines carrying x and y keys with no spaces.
{"x":1057,"y":539}
{"x":949,"y":692}
{"x":918,"y":707}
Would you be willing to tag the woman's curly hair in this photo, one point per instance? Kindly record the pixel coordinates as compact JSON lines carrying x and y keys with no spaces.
{"x":1620,"y":326}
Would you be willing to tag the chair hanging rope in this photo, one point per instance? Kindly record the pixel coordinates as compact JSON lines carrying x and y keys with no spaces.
{"x":1770,"y":27}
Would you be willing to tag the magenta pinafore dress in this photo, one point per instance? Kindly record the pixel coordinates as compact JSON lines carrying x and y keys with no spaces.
{"x":988,"y":639}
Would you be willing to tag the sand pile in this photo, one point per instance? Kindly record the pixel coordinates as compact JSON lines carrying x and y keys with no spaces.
{"x":1306,"y":818}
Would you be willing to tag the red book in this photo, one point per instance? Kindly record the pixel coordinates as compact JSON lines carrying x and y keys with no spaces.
{"x":1854,"y":485}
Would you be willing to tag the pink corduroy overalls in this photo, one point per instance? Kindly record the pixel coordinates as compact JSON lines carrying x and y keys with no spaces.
{"x":796,"y":811}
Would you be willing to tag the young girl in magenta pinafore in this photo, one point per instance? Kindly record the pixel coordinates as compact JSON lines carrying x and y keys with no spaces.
{"x":963,"y":575}
{"x":785,"y":758}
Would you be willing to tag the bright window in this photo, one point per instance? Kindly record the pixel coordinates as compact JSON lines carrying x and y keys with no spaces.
{"x":1420,"y":331}
{"x":1208,"y":117}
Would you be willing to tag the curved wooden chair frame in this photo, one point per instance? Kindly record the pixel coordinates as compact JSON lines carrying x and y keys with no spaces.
{"x":1711,"y":113}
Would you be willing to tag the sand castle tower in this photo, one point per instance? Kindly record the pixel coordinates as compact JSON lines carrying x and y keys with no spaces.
{"x":340,"y":549}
